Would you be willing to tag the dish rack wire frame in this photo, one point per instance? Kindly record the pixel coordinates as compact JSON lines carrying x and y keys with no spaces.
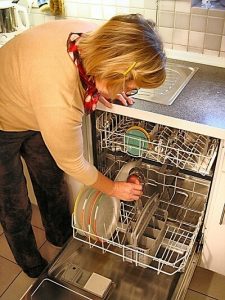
{"x":179,"y":238}
{"x":163,"y":144}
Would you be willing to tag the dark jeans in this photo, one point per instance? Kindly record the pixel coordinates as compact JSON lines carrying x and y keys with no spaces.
{"x":15,"y":207}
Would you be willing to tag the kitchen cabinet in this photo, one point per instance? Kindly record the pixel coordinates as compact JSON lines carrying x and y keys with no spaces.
{"x":212,"y":257}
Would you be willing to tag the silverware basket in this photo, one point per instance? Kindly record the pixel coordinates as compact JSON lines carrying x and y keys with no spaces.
{"x":149,"y":243}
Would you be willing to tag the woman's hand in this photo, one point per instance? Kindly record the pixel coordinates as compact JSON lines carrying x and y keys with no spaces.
{"x":105,"y":101}
{"x":124,"y":99}
{"x":121,"y":97}
{"x":127,"y":191}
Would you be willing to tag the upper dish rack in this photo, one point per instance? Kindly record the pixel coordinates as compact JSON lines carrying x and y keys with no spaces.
{"x":169,"y":238}
{"x":185,"y":150}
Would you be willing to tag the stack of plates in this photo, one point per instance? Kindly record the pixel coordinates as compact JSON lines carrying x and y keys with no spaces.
{"x":136,"y":140}
{"x":96,"y":215}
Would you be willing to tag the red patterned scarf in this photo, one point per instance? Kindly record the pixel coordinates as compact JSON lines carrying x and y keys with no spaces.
{"x":92,"y":95}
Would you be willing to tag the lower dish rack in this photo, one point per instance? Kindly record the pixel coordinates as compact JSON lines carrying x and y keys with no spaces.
{"x":170,"y":234}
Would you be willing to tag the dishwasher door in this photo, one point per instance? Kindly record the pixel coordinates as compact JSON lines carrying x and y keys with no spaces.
{"x":129,"y":282}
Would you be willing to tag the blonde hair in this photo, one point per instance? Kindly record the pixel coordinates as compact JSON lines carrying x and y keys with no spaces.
{"x":126,"y":47}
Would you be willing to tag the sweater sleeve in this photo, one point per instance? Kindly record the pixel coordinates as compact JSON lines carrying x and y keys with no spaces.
{"x":61,"y":130}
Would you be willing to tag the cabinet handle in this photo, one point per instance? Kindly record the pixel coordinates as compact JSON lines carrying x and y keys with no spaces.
{"x":222,"y":215}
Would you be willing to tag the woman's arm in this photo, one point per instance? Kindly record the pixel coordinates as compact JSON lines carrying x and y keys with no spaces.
{"x":119,"y":189}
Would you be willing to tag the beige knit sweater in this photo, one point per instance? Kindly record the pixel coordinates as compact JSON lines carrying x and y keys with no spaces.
{"x":40,"y":90}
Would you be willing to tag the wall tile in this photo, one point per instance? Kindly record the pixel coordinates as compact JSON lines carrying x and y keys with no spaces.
{"x":108,"y":2}
{"x":49,"y":18}
{"x":168,"y":45}
{"x":83,"y":10}
{"x":86,"y":1}
{"x":167,"y":5}
{"x":198,"y":23}
{"x":136,"y":10}
{"x":216,"y":13}
{"x":91,"y":2}
{"x":215,"y":25}
{"x":135,"y":3}
{"x":166,"y":34}
{"x":150,"y":14}
{"x":71,"y":9}
{"x":179,"y":47}
{"x":37,"y":19}
{"x":96,"y":12}
{"x":123,"y":3}
{"x":211,"y":52}
{"x":150,"y":4}
{"x":199,"y":11}
{"x":223,"y":44}
{"x":180,"y":36}
{"x":174,"y":20}
{"x":212,"y":42}
{"x":122,"y":10}
{"x":182,"y":20}
{"x":195,"y":49}
{"x":196,"y":39}
{"x":183,"y":6}
{"x":166,"y":19}
{"x":109,"y":12}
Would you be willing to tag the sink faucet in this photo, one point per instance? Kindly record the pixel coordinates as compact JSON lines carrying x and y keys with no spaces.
{"x":206,"y":3}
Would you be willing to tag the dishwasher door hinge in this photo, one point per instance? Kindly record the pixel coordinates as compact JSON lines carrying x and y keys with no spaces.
{"x":200,"y":241}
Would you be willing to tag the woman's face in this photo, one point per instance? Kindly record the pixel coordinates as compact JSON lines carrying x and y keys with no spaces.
{"x":101,"y":86}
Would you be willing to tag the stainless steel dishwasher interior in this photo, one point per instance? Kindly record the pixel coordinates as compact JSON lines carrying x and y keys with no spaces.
{"x":177,"y":77}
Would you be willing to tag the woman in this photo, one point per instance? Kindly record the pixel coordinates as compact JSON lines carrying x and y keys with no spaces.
{"x":49,"y":79}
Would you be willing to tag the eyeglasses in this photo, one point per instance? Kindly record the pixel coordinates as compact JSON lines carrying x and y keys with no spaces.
{"x":131,"y":93}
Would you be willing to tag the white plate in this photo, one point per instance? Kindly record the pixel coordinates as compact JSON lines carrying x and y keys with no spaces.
{"x":87,"y":210}
{"x":105,"y":216}
{"x":79,"y":203}
{"x":124,"y":171}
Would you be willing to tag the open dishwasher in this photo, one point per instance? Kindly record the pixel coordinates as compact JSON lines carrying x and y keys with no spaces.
{"x":148,"y":249}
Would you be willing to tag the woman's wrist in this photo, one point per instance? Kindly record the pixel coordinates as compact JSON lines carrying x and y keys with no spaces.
{"x":112,"y":192}
{"x":104,"y":185}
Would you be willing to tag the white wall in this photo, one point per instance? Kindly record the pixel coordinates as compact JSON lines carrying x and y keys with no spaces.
{"x":182,"y":27}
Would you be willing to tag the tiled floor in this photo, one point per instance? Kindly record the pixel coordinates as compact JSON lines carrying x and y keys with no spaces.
{"x":13,"y":282}
{"x":205,"y":285}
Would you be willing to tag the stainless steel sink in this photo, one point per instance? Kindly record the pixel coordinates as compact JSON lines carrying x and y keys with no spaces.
{"x":177,"y":76}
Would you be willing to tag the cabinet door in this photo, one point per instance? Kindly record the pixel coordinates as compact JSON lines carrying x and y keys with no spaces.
{"x":213,"y":254}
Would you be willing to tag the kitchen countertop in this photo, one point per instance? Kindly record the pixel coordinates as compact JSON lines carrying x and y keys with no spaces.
{"x":200,"y":107}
